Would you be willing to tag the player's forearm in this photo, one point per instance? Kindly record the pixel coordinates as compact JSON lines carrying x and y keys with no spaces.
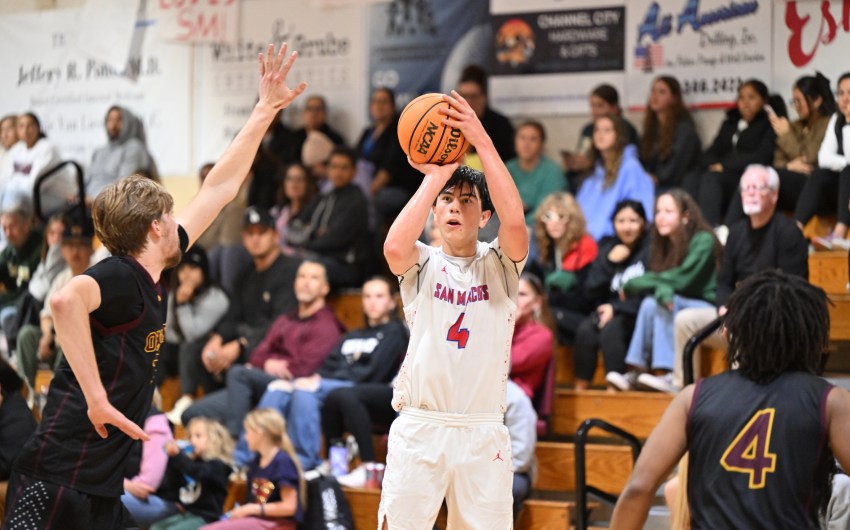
{"x":505,"y":198}
{"x":71,"y":322}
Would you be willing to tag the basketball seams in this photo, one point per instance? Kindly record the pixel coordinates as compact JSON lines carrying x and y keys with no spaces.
{"x":416,"y":128}
{"x":439,"y":147}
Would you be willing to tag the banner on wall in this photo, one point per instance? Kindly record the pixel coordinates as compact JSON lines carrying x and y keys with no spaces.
{"x":809,"y":36}
{"x":41,"y":70}
{"x":711,"y":46}
{"x":196,"y":21}
{"x":328,"y":41}
{"x":547,"y":56}
{"x":418,"y":47}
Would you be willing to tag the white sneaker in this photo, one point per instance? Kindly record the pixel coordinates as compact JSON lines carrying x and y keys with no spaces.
{"x":622,"y":382}
{"x":661,"y":383}
{"x":355,"y":479}
{"x":176,"y":413}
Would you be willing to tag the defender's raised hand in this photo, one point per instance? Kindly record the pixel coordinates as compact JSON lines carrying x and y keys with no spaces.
{"x":273,"y":71}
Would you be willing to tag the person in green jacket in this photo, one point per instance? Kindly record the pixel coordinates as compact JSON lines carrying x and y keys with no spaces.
{"x":683,"y":260}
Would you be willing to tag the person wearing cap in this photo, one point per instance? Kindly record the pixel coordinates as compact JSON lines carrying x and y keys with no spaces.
{"x":263,"y":292}
{"x":19,"y":259}
{"x":37,"y":344}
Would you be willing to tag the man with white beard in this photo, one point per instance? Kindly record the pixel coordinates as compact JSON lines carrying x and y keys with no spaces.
{"x":764,"y":240}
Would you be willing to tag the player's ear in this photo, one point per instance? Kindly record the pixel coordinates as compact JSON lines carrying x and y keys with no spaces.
{"x":485,"y":218}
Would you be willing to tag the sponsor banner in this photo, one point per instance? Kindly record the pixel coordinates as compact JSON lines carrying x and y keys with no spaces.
{"x":42,"y":70}
{"x":546,"y":59}
{"x":199,"y":21}
{"x":330,"y":60}
{"x":809,"y":36}
{"x":419,"y":47}
{"x":711,"y":46}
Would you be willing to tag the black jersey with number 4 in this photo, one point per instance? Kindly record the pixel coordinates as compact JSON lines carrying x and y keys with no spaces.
{"x":127,"y":331}
{"x":758,"y":453}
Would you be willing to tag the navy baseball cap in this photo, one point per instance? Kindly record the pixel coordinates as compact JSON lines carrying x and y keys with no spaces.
{"x":256,"y":215}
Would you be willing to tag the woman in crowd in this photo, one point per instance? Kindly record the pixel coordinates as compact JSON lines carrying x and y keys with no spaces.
{"x":533,"y":342}
{"x":534,"y":174}
{"x":617,"y":175}
{"x":609,"y":328}
{"x":683,"y":260}
{"x":295,"y":192}
{"x":745,"y":137}
{"x":670,"y":147}
{"x":832,"y":178}
{"x":8,"y":137}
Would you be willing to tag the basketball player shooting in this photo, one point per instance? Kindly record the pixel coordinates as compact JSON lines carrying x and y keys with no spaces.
{"x":460,"y":301}
{"x":111,"y":323}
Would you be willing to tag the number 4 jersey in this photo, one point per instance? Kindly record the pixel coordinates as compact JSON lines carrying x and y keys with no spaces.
{"x":461,"y":315}
{"x":758,"y":453}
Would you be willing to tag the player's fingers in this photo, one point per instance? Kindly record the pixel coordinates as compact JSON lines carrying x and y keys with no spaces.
{"x":451,"y":112}
{"x":278,"y":60}
{"x":101,"y":430}
{"x":302,"y":86}
{"x":452,"y":123}
{"x":270,"y":58}
{"x":262,"y":62}
{"x":458,"y":99}
{"x":131,"y":429}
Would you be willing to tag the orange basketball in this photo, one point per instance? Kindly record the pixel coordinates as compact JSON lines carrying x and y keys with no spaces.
{"x":422,"y":135}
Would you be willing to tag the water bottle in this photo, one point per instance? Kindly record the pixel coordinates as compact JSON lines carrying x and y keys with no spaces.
{"x":339,"y":458}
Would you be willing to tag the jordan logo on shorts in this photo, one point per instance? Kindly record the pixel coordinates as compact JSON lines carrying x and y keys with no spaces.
{"x":498,"y":456}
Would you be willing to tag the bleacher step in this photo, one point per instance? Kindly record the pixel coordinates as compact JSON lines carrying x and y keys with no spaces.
{"x":608,"y":466}
{"x":636,"y":412}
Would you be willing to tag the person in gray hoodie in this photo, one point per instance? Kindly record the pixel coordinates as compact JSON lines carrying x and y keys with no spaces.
{"x":124,"y":154}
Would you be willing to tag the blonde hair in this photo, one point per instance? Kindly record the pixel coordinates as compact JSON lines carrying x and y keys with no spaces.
{"x":566,"y":205}
{"x":124,"y":210}
{"x":271,"y":424}
{"x":219,"y":443}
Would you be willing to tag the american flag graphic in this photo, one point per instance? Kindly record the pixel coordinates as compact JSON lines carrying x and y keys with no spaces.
{"x":649,"y":56}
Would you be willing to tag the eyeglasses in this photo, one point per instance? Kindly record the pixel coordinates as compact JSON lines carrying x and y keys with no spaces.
{"x":554,"y":216}
{"x":761,"y":188}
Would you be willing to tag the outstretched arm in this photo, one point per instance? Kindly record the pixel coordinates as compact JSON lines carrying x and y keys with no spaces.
{"x":71,"y":307}
{"x":223,"y":182}
{"x":513,"y":234}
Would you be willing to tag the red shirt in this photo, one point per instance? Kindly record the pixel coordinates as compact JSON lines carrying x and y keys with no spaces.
{"x":531,"y":351}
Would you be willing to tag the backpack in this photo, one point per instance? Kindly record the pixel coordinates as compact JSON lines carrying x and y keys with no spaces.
{"x":327,"y":507}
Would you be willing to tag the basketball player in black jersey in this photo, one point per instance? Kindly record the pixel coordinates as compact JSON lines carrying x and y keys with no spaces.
{"x":111,"y":323}
{"x":761,"y":437}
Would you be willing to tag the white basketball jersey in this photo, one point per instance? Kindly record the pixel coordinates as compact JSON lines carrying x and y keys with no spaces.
{"x":461,"y":314}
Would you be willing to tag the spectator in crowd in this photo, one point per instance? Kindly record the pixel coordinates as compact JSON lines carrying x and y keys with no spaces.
{"x":125,"y":152}
{"x":764,"y":240}
{"x":264,"y":291}
{"x":369,"y":355}
{"x":745,"y":137}
{"x":533,"y":342}
{"x":18,"y":260}
{"x":37,"y":344}
{"x":294,"y":195}
{"x":604,"y":100}
{"x":670,"y":147}
{"x":315,"y":120}
{"x":473,"y":88}
{"x":609,"y":327}
{"x":560,"y":253}
{"x":269,"y":160}
{"x":617,"y":175}
{"x":226,"y":230}
{"x":16,"y":420}
{"x":294,"y":346}
{"x":683,"y":259}
{"x":534,"y":174}
{"x":196,"y":304}
{"x":832,"y":178}
{"x":337,"y":225}
{"x":797,"y":144}
{"x":8,"y":137}
{"x":521,"y":421}
{"x":29,"y":158}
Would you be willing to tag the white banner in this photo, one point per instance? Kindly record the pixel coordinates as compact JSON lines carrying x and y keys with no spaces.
{"x":199,"y":21}
{"x":809,"y":36}
{"x":330,"y":47}
{"x":42,"y":71}
{"x":709,"y":45}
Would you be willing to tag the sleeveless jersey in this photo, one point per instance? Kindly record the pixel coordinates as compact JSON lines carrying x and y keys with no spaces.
{"x":758,"y":453}
{"x":65,"y":448}
{"x":461,"y":314}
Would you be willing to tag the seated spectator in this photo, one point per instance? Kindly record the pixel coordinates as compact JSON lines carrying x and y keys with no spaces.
{"x":337,"y":225}
{"x":533,"y":343}
{"x":16,"y":420}
{"x":18,"y":260}
{"x":8,"y":137}
{"x":263,"y":292}
{"x":561,"y":251}
{"x":277,"y":493}
{"x":617,"y":175}
{"x":683,"y":259}
{"x":829,"y":185}
{"x":125,"y":152}
{"x":609,"y":327}
{"x":763,"y":241}
{"x":37,"y":343}
{"x":314,"y":119}
{"x":535,"y":175}
{"x":259,"y":189}
{"x":196,"y":304}
{"x":670,"y":147}
{"x":369,"y":355}
{"x":294,"y":346}
{"x":226,"y":229}
{"x":521,"y":421}
{"x":744,"y":138}
{"x":473,"y":88}
{"x":139,"y":499}
{"x":295,"y":193}
{"x":604,"y":100}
